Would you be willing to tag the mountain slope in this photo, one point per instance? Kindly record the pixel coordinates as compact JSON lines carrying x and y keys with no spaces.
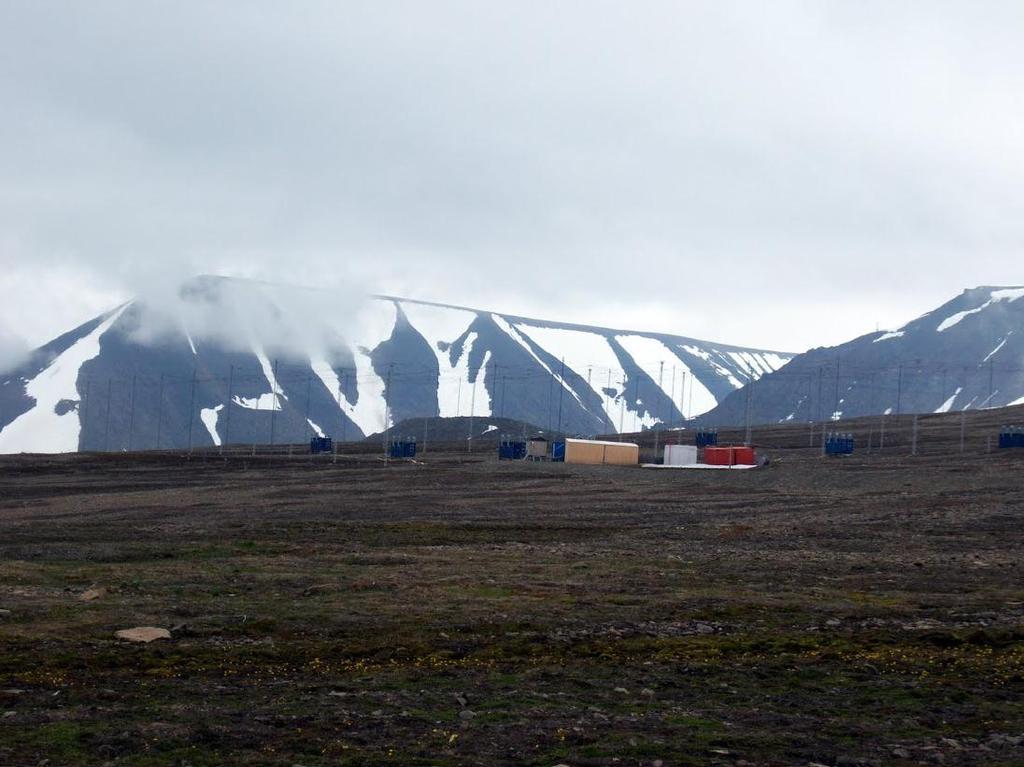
{"x":966,"y":354}
{"x":239,"y":361}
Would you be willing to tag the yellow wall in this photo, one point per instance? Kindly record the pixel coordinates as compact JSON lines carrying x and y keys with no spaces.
{"x":596,"y":453}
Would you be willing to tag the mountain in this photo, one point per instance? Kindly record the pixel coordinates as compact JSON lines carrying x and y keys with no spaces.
{"x":228,"y":360}
{"x":966,"y":354}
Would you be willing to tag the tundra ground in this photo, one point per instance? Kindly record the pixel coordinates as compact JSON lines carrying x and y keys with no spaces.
{"x":461,"y":611}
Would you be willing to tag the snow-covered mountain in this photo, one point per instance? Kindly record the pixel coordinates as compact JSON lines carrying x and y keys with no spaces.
{"x":236,"y":361}
{"x":966,"y":354}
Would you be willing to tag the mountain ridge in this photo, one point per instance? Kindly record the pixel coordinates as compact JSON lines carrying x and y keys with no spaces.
{"x":121,"y":380}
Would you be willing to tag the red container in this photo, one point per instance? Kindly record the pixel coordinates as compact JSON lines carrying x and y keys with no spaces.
{"x":719,"y":456}
{"x":744,"y":456}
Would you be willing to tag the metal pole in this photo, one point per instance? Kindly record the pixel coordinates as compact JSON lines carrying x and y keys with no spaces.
{"x":604,"y":402}
{"x":472,"y":412}
{"x":988,"y":402}
{"x":636,"y":401}
{"x":106,"y":425}
{"x":750,"y":389}
{"x":191,"y":406}
{"x":344,"y":419}
{"x":309,"y":387}
{"x":131,"y":414}
{"x":672,"y":399}
{"x":835,"y":409}
{"x":561,"y":394}
{"x":273,"y":404}
{"x":160,"y":411}
{"x":899,"y":388}
{"x":85,"y":416}
{"x":820,"y":374}
{"x":227,"y":406}
{"x":689,"y":402}
{"x":387,"y":411}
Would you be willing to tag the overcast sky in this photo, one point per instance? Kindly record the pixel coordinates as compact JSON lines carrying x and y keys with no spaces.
{"x":782,"y":174}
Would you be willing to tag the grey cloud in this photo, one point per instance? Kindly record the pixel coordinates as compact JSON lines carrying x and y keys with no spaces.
{"x":687,"y":163}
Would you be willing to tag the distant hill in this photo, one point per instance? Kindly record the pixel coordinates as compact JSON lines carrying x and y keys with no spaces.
{"x":966,"y":354}
{"x":484,"y":429}
{"x":229,"y":360}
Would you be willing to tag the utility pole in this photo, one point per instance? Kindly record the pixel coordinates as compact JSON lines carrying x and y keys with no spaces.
{"x":988,"y":402}
{"x":561,"y":394}
{"x":605,"y":398}
{"x":191,"y":406}
{"x":227,"y":406}
{"x":636,"y":401}
{"x":344,"y":420}
{"x":131,"y":414}
{"x":820,"y":374}
{"x":472,"y":411}
{"x":682,"y":396}
{"x":160,"y":411}
{"x":106,"y":425}
{"x":672,"y":399}
{"x":750,"y":388}
{"x":835,"y":409}
{"x":309,"y":387}
{"x":387,"y":410}
{"x":899,"y":388}
{"x":661,"y":374}
{"x":273,"y":404}
{"x":622,"y":405}
{"x":85,"y":416}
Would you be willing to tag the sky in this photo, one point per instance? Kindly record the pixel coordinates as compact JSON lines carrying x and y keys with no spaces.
{"x":781,"y":175}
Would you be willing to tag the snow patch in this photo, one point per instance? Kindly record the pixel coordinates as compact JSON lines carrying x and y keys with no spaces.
{"x":209,"y":416}
{"x":887,"y":336}
{"x":441,"y":327}
{"x":1007,"y":294}
{"x":945,"y":406}
{"x":998,"y":347}
{"x":41,"y":430}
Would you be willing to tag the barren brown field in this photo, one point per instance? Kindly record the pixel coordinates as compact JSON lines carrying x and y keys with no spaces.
{"x":867,"y":610}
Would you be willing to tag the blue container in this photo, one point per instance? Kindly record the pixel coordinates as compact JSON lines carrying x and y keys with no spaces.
{"x":511,"y":449}
{"x":402,"y":448}
{"x":558,"y":451}
{"x":706,"y":438}
{"x":839,"y":444}
{"x":1011,"y":436}
{"x":320,"y":445}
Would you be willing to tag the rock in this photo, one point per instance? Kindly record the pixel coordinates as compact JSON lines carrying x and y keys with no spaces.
{"x":833,"y":622}
{"x":704,"y":628}
{"x":90,"y":594}
{"x":144,"y":634}
{"x":4,"y":612}
{"x":9,"y":714}
{"x":623,"y":690}
{"x":466,"y":714}
{"x":648,"y":692}
{"x":460,"y":699}
{"x":900,"y":753}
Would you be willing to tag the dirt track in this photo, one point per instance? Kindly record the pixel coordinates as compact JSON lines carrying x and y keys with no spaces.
{"x":867,"y":610}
